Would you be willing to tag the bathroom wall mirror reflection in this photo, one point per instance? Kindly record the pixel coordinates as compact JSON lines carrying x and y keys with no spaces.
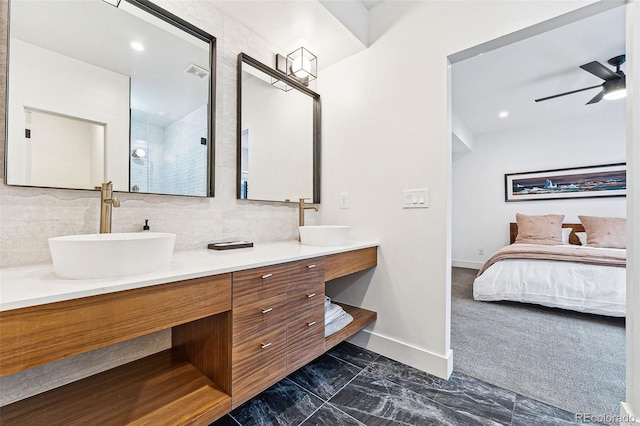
{"x":100,"y":93}
{"x":278,"y":135}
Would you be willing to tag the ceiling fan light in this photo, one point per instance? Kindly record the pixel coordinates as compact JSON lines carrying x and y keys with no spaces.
{"x":616,"y":94}
{"x":615,"y":89}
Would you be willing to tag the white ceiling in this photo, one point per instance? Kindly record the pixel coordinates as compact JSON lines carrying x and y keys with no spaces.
{"x":370,"y":4}
{"x":510,"y":78}
{"x":100,"y":34}
{"x":290,"y":24}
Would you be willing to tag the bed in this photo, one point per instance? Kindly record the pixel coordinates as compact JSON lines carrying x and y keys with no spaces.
{"x":567,"y":276}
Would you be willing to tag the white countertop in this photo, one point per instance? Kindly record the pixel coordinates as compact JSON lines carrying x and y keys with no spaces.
{"x":25,"y":286}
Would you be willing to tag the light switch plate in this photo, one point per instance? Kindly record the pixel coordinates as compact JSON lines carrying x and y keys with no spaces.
{"x":344,"y":200}
{"x":415,"y":198}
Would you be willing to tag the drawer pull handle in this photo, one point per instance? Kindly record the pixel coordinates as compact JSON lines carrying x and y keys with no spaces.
{"x":265,"y":345}
{"x":266,"y":311}
{"x":309,"y":324}
{"x":265,"y":276}
{"x":311,"y":266}
{"x":310,"y":295}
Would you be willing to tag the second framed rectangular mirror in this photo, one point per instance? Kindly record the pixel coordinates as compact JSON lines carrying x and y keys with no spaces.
{"x":278,"y":135}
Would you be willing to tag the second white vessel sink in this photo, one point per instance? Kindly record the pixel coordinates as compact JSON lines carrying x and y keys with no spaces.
{"x":110,"y":255}
{"x":326,"y":235}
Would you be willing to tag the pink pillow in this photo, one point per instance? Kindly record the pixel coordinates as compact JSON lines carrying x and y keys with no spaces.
{"x":545,"y":229}
{"x":608,"y":232}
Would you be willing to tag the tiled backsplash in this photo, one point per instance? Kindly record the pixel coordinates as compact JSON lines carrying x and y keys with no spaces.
{"x":30,"y":215}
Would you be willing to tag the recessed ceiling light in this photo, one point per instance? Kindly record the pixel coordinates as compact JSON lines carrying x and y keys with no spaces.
{"x":503,"y":114}
{"x":135,"y":45}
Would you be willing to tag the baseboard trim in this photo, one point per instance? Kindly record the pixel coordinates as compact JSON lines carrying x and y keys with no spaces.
{"x":466,"y":264}
{"x":627,"y":418}
{"x":438,"y":365}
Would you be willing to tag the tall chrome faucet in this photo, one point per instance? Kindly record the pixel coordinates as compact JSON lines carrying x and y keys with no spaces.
{"x":107,"y":202}
{"x":301,"y":208}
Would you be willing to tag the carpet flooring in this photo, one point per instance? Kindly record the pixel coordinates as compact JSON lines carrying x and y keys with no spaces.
{"x":569,"y":360}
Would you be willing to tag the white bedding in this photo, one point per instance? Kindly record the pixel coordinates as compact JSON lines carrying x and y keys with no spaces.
{"x":579,"y":287}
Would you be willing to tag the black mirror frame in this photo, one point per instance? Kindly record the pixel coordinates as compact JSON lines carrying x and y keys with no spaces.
{"x":178,"y":22}
{"x":244,"y":58}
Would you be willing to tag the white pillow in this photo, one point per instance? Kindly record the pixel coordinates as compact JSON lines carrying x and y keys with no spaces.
{"x":565,"y":236}
{"x":582,"y":236}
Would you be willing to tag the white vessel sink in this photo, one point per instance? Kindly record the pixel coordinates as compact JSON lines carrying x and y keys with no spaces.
{"x":110,"y":255}
{"x":324,"y":235}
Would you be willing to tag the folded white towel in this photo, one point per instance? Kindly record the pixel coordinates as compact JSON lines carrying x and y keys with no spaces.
{"x":332,"y":312}
{"x":338,"y":324}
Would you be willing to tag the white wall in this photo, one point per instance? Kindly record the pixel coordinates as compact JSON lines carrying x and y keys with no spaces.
{"x":480,"y":214}
{"x":632,"y":405}
{"x":386,"y":124}
{"x":45,"y":80}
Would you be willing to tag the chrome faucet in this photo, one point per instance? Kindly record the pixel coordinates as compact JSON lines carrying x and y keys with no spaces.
{"x":301,"y":208}
{"x":107,"y":201}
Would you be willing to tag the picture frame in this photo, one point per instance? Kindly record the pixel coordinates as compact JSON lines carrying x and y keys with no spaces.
{"x":608,"y":180}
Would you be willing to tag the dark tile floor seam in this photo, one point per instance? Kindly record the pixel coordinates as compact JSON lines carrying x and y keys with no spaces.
{"x":335,"y":408}
{"x":309,"y":391}
{"x":334,"y":394}
{"x":357,"y":366}
{"x":325,"y":402}
{"x":234,"y":419}
{"x":311,"y":415}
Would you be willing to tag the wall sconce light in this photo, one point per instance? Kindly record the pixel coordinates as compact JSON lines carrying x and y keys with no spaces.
{"x":300,"y":65}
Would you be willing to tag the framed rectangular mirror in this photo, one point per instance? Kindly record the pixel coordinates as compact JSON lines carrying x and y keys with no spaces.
{"x":278,"y":135}
{"x":98,"y":92}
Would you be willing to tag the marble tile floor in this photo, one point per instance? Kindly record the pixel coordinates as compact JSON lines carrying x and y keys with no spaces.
{"x":351,"y":386}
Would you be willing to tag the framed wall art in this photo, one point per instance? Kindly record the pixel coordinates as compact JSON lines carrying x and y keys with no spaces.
{"x":609,"y":180}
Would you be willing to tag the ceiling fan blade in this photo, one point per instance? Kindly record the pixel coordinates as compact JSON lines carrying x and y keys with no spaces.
{"x":596,"y":98}
{"x":567,"y":93}
{"x":599,"y":70}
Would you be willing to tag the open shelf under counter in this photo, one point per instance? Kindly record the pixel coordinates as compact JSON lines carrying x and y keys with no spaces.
{"x":161,"y":389}
{"x":361,"y":319}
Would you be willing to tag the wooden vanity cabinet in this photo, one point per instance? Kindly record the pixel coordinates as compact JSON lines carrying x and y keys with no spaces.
{"x":233,"y":335}
{"x":186,"y":384}
{"x":259,"y":318}
{"x":305,"y":327}
{"x":278,"y":324}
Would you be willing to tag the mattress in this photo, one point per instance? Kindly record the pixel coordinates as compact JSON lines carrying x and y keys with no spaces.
{"x":579,"y":287}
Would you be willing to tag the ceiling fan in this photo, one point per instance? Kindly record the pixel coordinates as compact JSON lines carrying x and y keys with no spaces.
{"x":614,"y":86}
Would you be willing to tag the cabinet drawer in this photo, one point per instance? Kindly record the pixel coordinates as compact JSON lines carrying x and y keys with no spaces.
{"x":304,"y":300}
{"x":305,"y":274}
{"x":259,"y":318}
{"x":305,"y":338}
{"x":257,"y":364}
{"x":258,"y":284}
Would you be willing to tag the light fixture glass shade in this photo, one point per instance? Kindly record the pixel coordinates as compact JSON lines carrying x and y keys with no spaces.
{"x":616,"y":94}
{"x":615,"y":89}
{"x":302,"y":65}
{"x":280,"y":84}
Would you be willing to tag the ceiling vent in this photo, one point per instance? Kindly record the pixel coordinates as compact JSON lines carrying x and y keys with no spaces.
{"x":197,"y":72}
